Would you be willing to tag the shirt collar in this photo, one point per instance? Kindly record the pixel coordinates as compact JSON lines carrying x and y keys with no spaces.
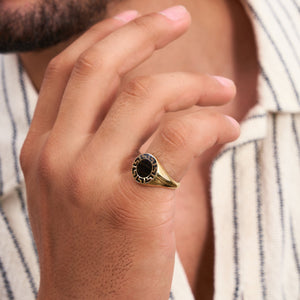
{"x":278,"y":44}
{"x":278,"y":89}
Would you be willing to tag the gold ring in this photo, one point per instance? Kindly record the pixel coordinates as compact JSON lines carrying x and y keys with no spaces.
{"x":146,"y":169}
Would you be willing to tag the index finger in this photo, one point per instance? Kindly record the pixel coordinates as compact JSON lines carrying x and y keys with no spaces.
{"x":60,"y":68}
{"x":96,"y":75}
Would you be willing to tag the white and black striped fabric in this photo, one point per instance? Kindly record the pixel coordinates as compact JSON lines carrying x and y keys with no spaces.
{"x":255,"y":180}
{"x":19,"y":271}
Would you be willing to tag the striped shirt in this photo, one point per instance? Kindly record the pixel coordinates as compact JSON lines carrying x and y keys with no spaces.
{"x":255,"y":180}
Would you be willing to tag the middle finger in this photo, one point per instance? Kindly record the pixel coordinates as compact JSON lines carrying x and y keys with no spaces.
{"x":138,"y":110}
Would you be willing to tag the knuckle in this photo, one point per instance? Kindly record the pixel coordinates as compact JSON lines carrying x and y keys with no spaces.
{"x":54,"y":67}
{"x":82,"y":179}
{"x":48,"y":163}
{"x":89,"y":62}
{"x":175,"y":133}
{"x":139,"y":87}
{"x":211,"y":121}
{"x":212,"y":114}
{"x":24,"y":158}
{"x":208,"y":115}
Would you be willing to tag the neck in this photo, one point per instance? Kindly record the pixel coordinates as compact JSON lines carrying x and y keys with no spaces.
{"x":212,"y":29}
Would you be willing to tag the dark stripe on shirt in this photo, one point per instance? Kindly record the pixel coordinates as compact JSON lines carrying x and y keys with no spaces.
{"x":2,"y":269}
{"x":171,"y":297}
{"x":295,"y":248}
{"x":24,"y":92}
{"x":12,"y":121}
{"x":295,"y":132}
{"x":278,"y":176}
{"x":284,"y":32}
{"x":6,"y":282}
{"x":236,"y":258}
{"x":294,"y":245}
{"x":269,"y":84}
{"x":262,"y":25}
{"x":260,"y":116}
{"x":237,"y":146}
{"x":296,"y":5}
{"x":1,"y":179}
{"x":260,"y":223}
{"x":19,"y":251}
{"x":279,"y":190}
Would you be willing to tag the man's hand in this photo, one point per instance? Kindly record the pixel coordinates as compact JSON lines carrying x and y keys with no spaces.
{"x":99,"y":234}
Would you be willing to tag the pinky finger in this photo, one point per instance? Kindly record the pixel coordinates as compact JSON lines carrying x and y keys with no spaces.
{"x":179,"y":140}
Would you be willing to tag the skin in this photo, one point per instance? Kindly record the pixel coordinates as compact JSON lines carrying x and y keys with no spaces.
{"x":89,"y":220}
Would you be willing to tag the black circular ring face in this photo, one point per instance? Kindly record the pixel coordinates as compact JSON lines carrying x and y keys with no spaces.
{"x":144,"y":168}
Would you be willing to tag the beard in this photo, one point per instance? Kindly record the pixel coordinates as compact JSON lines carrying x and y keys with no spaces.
{"x":46,"y":23}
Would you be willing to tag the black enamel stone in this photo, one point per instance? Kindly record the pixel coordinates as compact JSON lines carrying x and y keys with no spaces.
{"x":144,"y":168}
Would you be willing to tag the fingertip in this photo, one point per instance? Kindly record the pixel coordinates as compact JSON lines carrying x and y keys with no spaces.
{"x":235,"y":124}
{"x":229,"y":86}
{"x":175,"y":13}
{"x":225,"y":81}
{"x":178,"y":15}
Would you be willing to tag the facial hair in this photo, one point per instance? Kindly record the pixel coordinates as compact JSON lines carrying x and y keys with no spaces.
{"x":46,"y":23}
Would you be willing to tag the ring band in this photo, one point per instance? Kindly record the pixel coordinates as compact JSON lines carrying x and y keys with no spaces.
{"x":146,"y":169}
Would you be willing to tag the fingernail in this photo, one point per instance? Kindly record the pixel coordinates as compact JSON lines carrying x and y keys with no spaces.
{"x":127,"y":16}
{"x":224,"y":81}
{"x":234,"y":122}
{"x":175,"y":13}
